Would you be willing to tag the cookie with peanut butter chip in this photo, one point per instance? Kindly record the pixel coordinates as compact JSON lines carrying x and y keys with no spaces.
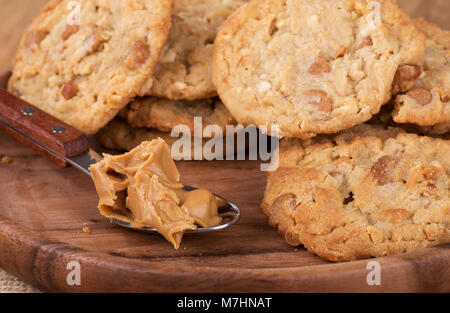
{"x":314,"y":66}
{"x":83,"y":61}
{"x":367,"y":192}
{"x":427,"y":102}
{"x":384,"y":118}
{"x":164,"y":114}
{"x":119,"y":135}
{"x":184,"y":69}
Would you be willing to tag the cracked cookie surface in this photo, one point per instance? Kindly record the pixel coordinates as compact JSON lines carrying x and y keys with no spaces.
{"x":427,"y":103}
{"x":314,"y":66}
{"x":368,"y":192}
{"x":184,"y":69}
{"x":83,"y":71}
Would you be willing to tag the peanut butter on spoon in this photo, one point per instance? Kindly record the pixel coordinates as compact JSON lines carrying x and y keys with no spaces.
{"x":142,"y":187}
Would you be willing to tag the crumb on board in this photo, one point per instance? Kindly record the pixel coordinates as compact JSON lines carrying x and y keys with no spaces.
{"x":6,"y":160}
{"x":86,"y":230}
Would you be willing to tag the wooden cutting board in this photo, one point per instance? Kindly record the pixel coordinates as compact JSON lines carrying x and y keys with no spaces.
{"x":43,"y":210}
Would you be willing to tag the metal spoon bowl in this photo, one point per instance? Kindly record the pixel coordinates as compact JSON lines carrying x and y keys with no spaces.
{"x":229,"y":212}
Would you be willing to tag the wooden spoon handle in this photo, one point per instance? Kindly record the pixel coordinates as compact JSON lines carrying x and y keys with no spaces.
{"x":41,"y":127}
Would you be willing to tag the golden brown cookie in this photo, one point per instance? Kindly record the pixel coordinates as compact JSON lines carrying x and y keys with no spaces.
{"x":370,"y":193}
{"x":427,"y":103}
{"x":384,"y":118}
{"x":314,"y":66}
{"x":164,"y":114}
{"x":184,"y":69}
{"x":118,"y":135}
{"x":84,"y":70}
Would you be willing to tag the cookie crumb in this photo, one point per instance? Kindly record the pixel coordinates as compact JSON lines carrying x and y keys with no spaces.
{"x":6,"y":160}
{"x":86,"y":230}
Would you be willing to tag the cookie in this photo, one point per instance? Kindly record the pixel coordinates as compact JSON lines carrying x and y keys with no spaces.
{"x":438,"y":129}
{"x":118,"y":135}
{"x":314,"y":66}
{"x":85,"y":71}
{"x":184,"y":68}
{"x":370,"y":193}
{"x":164,"y":114}
{"x":384,"y":118}
{"x":427,"y":103}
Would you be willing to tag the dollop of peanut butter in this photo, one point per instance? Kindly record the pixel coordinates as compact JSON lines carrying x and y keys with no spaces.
{"x":202,"y":206}
{"x":142,"y":187}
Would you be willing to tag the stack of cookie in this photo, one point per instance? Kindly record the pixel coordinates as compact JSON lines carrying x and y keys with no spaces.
{"x":181,"y":87}
{"x":339,"y":78}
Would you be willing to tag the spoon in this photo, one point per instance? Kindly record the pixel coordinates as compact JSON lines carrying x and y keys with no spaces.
{"x":64,"y":145}
{"x":229,"y":213}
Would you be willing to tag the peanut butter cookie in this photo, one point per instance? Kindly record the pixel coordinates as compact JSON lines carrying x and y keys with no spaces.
{"x":427,"y":103}
{"x":119,"y":135}
{"x":384,"y":118}
{"x":314,"y":66}
{"x":365,"y":193}
{"x":164,"y":114}
{"x":184,"y":69}
{"x":82,"y":62}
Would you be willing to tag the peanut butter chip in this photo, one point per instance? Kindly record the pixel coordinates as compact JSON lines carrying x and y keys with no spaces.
{"x":138,"y":54}
{"x":320,"y":99}
{"x":35,"y":37}
{"x":69,"y":31}
{"x":430,"y":172}
{"x":69,"y":90}
{"x":340,"y":52}
{"x":319,"y":66}
{"x":366,"y":42}
{"x":382,"y":169}
{"x":96,"y":38}
{"x":406,"y":77}
{"x":421,"y":95}
{"x":444,"y":95}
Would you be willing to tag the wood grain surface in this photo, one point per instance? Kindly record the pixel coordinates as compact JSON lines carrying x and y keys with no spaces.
{"x":44,"y":209}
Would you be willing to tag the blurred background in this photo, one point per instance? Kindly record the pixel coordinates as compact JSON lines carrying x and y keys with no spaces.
{"x":17,"y":14}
